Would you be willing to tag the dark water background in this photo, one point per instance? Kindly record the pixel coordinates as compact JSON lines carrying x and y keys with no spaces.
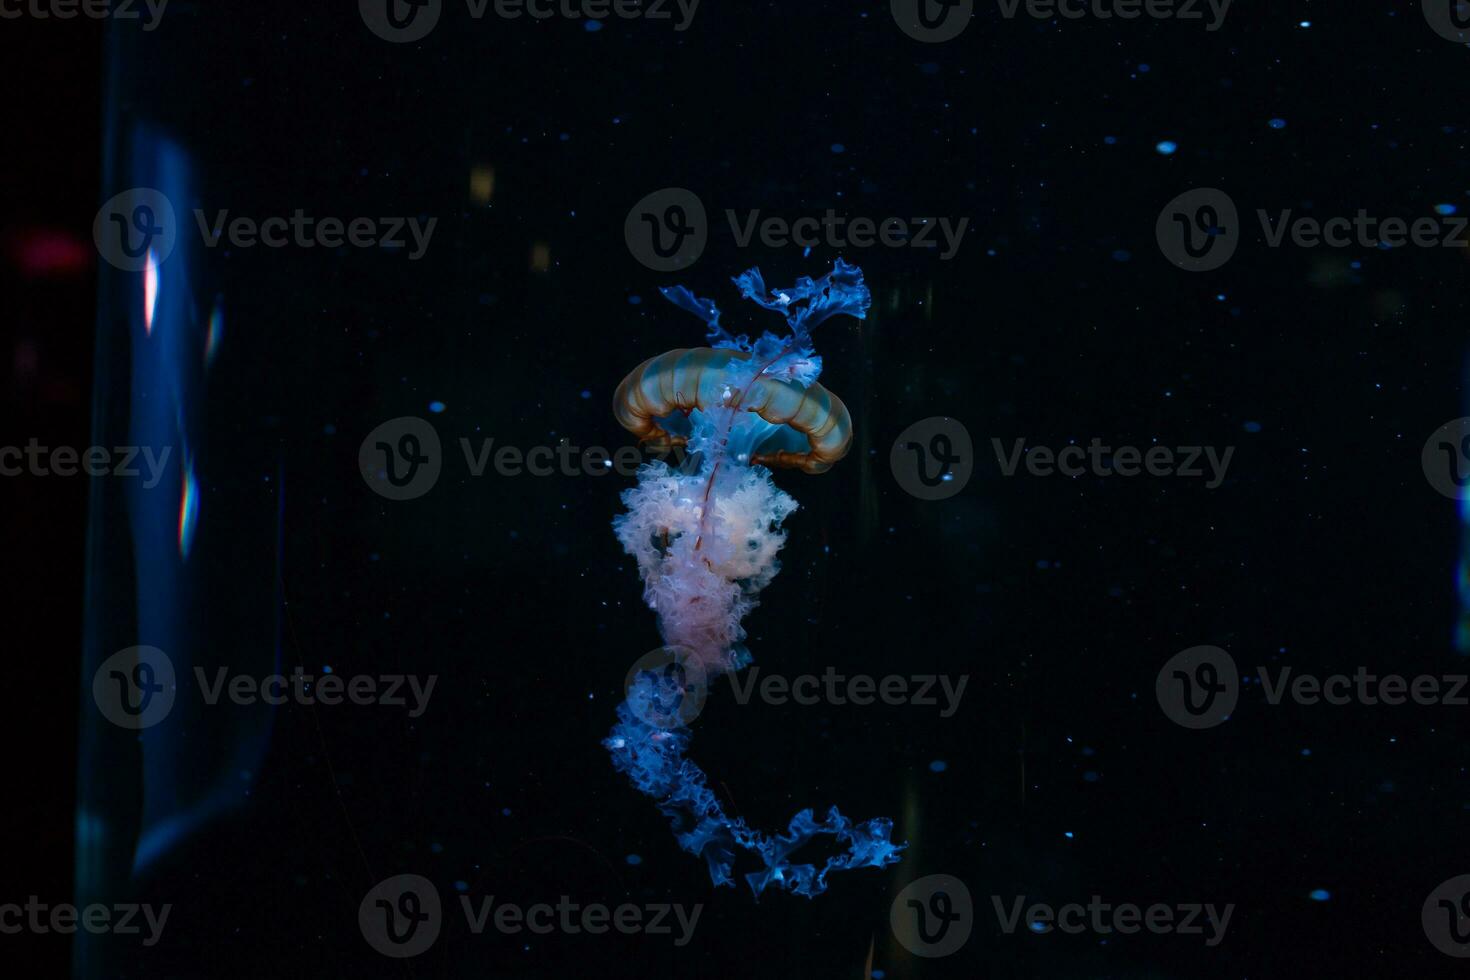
{"x":1325,"y":548}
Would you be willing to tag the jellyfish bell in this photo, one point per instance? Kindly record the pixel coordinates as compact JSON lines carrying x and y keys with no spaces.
{"x":778,"y":422}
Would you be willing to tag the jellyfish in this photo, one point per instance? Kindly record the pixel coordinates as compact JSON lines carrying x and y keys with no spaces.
{"x":706,"y":535}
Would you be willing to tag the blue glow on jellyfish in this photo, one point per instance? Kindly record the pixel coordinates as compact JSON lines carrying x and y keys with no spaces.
{"x":706,"y":536}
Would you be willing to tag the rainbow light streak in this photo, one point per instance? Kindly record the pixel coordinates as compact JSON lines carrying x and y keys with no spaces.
{"x":188,"y":509}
